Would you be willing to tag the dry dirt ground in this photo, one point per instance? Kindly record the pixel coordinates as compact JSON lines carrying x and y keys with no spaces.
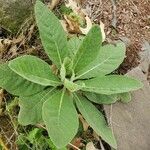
{"x":126,"y":20}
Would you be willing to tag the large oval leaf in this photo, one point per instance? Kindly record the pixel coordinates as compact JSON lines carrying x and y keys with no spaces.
{"x":101,"y":98}
{"x":15,"y":84}
{"x":109,"y":58}
{"x":74,"y":44}
{"x":53,"y":36}
{"x":88,"y":49}
{"x":31,"y":106}
{"x":108,"y":99}
{"x":61,"y":118}
{"x":111,"y":84}
{"x":34,"y":70}
{"x":95,"y":119}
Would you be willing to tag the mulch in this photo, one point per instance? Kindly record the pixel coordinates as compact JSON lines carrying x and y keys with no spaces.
{"x":127,"y":19}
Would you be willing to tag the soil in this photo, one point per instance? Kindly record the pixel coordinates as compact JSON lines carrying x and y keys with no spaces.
{"x":127,"y":20}
{"x":7,"y":133}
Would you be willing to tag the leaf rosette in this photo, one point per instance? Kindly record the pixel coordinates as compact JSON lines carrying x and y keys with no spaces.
{"x":83,"y":77}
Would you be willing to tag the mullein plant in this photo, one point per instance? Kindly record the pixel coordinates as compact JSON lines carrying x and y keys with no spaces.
{"x":83,"y":77}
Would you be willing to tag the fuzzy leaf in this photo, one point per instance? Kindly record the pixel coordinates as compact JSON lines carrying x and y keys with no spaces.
{"x":71,"y":86}
{"x":125,"y":97}
{"x":62,"y":72}
{"x":111,"y":84}
{"x":52,"y":35}
{"x":34,"y":70}
{"x":109,"y":58}
{"x":88,"y":49}
{"x":61,"y":118}
{"x":31,"y":107}
{"x":95,"y":119}
{"x":15,"y":84}
{"x":66,"y":68}
{"x":101,"y":98}
{"x":74,"y":44}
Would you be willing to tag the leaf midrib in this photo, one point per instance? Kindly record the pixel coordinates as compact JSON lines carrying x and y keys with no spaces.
{"x":60,"y":60}
{"x":78,"y":57}
{"x":84,"y":110}
{"x":60,"y":106}
{"x":33,"y":76}
{"x":43,"y":78}
{"x":54,"y":42}
{"x":91,"y":124}
{"x":108,"y":89}
{"x":92,"y":68}
{"x":43,"y":97}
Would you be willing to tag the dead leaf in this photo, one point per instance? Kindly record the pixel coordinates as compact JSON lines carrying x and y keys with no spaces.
{"x":78,"y":13}
{"x":31,"y":50}
{"x":1,"y":99}
{"x":80,"y":1}
{"x":88,"y":26}
{"x":64,"y":25}
{"x":90,"y":146}
{"x":95,"y":135}
{"x":2,"y":47}
{"x":77,"y":142}
{"x":53,"y":4}
{"x":18,"y":39}
{"x":102,"y":26}
{"x":7,"y":42}
{"x":2,"y":144}
{"x":30,"y":33}
{"x":72,"y":4}
{"x":102,"y":146}
{"x":4,"y":44}
{"x":1,"y":111}
{"x":74,"y":26}
{"x":54,"y":69}
{"x":84,"y":123}
{"x":13,"y":51}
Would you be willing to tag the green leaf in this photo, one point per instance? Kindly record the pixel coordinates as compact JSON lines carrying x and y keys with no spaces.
{"x":33,"y":135}
{"x":74,"y":44}
{"x":61,"y":118}
{"x":88,"y":49}
{"x":52,"y":35}
{"x":15,"y":84}
{"x":95,"y":119}
{"x":35,"y":70}
{"x":52,"y":146}
{"x":62,"y":72}
{"x":31,"y":107}
{"x":71,"y":86}
{"x":125,"y":97}
{"x":111,"y":84}
{"x":66,"y":68}
{"x":109,"y":58}
{"x":101,"y":98}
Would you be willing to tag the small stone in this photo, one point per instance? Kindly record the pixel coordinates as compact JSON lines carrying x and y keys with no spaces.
{"x":130,"y":122}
